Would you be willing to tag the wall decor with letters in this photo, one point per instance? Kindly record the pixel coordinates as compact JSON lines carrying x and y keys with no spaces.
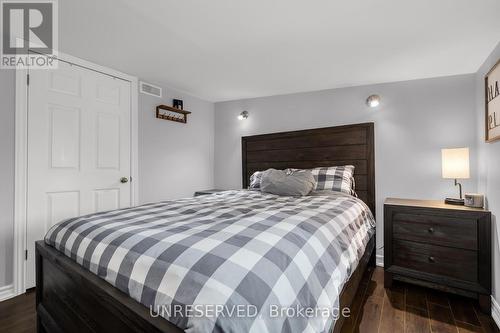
{"x":492,"y":94}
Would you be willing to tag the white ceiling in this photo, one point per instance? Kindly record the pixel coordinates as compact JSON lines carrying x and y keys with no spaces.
{"x":232,"y":49}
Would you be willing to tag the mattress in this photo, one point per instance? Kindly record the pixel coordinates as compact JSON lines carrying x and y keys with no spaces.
{"x":233,"y":261}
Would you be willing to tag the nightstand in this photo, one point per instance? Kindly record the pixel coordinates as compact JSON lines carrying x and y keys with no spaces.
{"x":206,"y":192}
{"x":438,"y":246}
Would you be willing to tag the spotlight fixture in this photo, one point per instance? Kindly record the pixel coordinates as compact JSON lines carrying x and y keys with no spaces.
{"x":243,"y":115}
{"x":373,"y":101}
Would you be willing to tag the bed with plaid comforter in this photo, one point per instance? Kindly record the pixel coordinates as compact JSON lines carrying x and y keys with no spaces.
{"x":234,"y":261}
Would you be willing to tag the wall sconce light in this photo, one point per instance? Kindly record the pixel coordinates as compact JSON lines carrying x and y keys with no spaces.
{"x":243,"y":115}
{"x":373,"y":101}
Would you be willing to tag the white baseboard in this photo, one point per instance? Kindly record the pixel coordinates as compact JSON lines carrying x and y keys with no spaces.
{"x":495,"y":311}
{"x":6,"y":292}
{"x":379,"y":259}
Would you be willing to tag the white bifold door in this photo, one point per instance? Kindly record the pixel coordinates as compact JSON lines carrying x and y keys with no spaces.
{"x":78,"y":148}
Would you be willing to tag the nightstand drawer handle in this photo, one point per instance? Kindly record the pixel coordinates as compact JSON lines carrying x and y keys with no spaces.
{"x":431,"y":259}
{"x":431,"y":230}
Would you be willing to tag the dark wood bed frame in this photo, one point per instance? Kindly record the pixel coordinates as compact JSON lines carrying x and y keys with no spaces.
{"x":70,"y":298}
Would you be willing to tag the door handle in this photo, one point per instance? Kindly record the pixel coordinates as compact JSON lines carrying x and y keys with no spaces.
{"x":124,"y":180}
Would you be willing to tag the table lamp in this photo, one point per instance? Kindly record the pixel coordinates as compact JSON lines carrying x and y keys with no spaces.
{"x":455,"y":165}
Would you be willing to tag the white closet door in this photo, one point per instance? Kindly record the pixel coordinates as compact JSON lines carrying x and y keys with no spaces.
{"x":78,"y":148}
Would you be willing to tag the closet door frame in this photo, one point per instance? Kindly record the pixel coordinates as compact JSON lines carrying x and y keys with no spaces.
{"x":21,"y":158}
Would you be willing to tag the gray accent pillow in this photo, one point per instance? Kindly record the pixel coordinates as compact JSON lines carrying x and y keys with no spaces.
{"x":281,"y":183}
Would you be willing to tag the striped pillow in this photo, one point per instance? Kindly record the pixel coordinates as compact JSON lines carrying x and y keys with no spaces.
{"x":255,"y":179}
{"x":335,"y":178}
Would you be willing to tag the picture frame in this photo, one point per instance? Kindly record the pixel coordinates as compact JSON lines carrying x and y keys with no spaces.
{"x":492,"y":103}
{"x":178,"y":104}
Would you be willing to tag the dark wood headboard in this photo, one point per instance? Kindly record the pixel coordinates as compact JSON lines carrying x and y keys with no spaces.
{"x":329,"y":146}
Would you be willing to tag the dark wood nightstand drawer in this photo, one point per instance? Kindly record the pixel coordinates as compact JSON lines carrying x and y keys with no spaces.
{"x":440,"y":246}
{"x":445,"y":261}
{"x":439,"y":230}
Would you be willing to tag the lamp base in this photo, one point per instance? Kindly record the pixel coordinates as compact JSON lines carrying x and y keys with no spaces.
{"x":453,"y":201}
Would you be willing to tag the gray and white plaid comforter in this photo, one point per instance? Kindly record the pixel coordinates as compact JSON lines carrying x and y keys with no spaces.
{"x":233,"y":248}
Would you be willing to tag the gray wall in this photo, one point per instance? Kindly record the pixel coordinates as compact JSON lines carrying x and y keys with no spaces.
{"x":488,"y":170}
{"x":174,"y":159}
{"x":414,"y":121}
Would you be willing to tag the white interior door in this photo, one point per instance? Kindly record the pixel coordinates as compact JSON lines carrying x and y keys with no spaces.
{"x":78,"y":148}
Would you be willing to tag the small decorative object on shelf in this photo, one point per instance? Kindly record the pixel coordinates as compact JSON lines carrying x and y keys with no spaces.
{"x":171,"y":113}
{"x":178,"y":104}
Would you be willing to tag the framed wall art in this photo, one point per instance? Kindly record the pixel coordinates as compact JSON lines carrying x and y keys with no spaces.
{"x":492,"y":96}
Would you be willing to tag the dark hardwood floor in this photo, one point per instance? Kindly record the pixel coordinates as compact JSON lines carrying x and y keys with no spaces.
{"x":403,"y":308}
{"x":407,"y":308}
{"x":17,"y":315}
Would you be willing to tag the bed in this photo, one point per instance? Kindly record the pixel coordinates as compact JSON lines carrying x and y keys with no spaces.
{"x":229,"y":248}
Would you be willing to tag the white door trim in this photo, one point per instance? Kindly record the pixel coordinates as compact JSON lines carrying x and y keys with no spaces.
{"x":21,"y":158}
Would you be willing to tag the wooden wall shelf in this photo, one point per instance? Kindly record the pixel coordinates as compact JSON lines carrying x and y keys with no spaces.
{"x":169,"y":113}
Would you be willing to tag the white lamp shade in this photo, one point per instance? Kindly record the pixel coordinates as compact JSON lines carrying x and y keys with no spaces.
{"x":455,"y":163}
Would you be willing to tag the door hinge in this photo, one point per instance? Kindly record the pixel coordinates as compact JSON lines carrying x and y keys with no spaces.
{"x":28,"y":79}
{"x":26,"y":255}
